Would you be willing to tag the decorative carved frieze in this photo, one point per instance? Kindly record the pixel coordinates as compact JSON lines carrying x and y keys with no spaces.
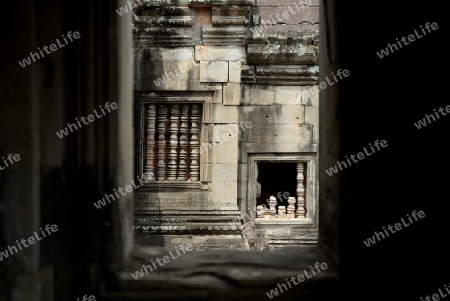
{"x":164,"y":26}
{"x":231,"y":15}
{"x":300,"y":75}
{"x":181,"y":220}
{"x":274,"y":237}
{"x":223,"y":35}
{"x":145,"y":37}
{"x":256,"y":36}
{"x":156,"y":220}
{"x":156,"y":3}
{"x":190,"y":213}
{"x":276,"y":54}
{"x":170,"y":16}
{"x":179,"y":203}
{"x":278,"y":244}
{"x":188,"y":228}
{"x":285,"y":233}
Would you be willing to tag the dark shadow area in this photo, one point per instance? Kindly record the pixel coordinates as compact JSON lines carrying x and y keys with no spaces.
{"x":279,"y":180}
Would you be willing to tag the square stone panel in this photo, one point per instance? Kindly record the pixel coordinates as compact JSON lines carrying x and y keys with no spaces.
{"x":214,"y":71}
{"x":203,"y":16}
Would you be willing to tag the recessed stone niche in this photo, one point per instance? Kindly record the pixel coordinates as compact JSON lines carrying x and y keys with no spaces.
{"x":283,"y":178}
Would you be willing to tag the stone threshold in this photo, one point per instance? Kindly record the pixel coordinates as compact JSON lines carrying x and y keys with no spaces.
{"x":216,"y":275}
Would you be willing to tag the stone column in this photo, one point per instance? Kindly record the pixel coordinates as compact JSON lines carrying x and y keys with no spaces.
{"x":273,"y":204}
{"x":184,"y":142}
{"x":301,"y":210}
{"x":161,"y":167}
{"x":195,"y":144}
{"x":282,"y":212}
{"x":173,"y":143}
{"x":291,"y":208}
{"x":150,"y":143}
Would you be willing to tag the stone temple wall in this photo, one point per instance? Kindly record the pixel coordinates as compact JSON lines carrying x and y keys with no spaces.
{"x":223,"y":88}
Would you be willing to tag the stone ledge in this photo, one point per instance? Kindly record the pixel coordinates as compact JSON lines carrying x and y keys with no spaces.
{"x":275,"y":222}
{"x":171,"y":186}
{"x":220,"y":275}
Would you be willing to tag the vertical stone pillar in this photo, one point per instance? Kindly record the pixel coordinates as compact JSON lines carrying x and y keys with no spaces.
{"x":291,"y":208}
{"x":150,"y":143}
{"x":282,"y":212}
{"x":161,"y":167}
{"x":173,"y":143}
{"x":195,"y":144}
{"x":184,"y":142}
{"x":301,"y":210}
{"x":273,"y":209}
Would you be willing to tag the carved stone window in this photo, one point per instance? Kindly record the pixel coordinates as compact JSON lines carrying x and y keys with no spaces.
{"x":297,"y":178}
{"x":170,"y":130}
{"x":281,"y":187}
{"x":282,"y":193}
{"x":172,"y":144}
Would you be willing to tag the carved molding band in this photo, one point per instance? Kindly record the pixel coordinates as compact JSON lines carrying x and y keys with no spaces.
{"x":144,"y":202}
{"x":301,"y":75}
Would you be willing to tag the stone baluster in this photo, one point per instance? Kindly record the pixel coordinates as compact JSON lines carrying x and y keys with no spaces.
{"x":266,"y":213}
{"x":195,"y":144}
{"x":273,"y":207}
{"x":149,"y":169}
{"x":282,"y":212}
{"x":173,"y":143}
{"x":259,"y":211}
{"x":184,"y":142}
{"x":301,"y":205}
{"x":291,"y":208}
{"x":161,"y":166}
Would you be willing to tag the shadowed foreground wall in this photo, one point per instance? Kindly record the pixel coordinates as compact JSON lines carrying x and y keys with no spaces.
{"x":58,"y":179}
